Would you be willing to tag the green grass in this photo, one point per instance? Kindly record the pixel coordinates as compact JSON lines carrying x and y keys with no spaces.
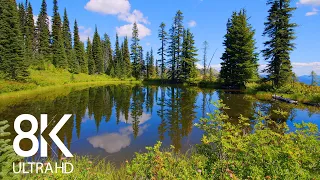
{"x":55,"y":77}
{"x":298,"y":91}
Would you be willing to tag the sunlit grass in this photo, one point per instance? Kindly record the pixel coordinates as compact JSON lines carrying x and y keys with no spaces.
{"x":54,"y":78}
{"x":298,"y":91}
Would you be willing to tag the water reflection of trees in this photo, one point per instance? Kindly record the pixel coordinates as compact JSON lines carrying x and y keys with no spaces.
{"x":176,"y":110}
{"x":239,"y":104}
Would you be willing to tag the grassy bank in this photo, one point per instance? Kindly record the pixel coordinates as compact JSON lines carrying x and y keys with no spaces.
{"x":53,"y":78}
{"x":298,"y":91}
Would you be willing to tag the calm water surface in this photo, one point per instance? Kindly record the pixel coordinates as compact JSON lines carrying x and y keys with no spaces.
{"x":115,"y":121}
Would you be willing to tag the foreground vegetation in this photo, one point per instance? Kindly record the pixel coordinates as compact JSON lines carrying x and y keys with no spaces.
{"x":259,"y":149}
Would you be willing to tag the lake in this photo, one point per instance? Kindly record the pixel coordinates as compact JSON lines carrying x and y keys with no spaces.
{"x":115,"y":121}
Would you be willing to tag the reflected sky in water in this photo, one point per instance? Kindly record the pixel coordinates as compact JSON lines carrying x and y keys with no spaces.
{"x":115,"y":121}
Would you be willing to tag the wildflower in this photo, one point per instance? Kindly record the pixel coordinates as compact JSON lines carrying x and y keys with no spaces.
{"x":199,"y":171}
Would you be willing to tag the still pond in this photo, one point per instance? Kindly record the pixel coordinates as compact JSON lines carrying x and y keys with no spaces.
{"x":115,"y":121}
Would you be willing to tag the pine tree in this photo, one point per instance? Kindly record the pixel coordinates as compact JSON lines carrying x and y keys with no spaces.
{"x":178,"y":39}
{"x":107,"y":54}
{"x":91,"y":63}
{"x":59,"y":54}
{"x":117,"y":58}
{"x":189,"y":53}
{"x":7,"y":155}
{"x":22,"y":19}
{"x":43,"y":35}
{"x":142,"y":64}
{"x":136,"y":66}
{"x":79,"y":61}
{"x":175,"y":47}
{"x":29,"y":36}
{"x":73,"y":62}
{"x":163,"y":36}
{"x":239,"y":59}
{"x":281,"y":33}
{"x":12,"y":64}
{"x":97,"y":52}
{"x":148,"y":65}
{"x":126,"y":58}
{"x":314,"y":79}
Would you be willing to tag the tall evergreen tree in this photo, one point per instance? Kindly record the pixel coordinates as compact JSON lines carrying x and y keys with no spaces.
{"x":150,"y":65}
{"x":142,"y":63}
{"x":107,"y":54}
{"x":189,"y":54}
{"x":59,"y":54}
{"x":12,"y":64}
{"x":91,"y":62}
{"x":79,"y":60}
{"x":73,"y":62}
{"x":281,"y":33}
{"x":163,"y":36}
{"x":29,"y":36}
{"x":136,"y":66}
{"x":108,"y":57}
{"x":22,"y":19}
{"x":175,"y":48}
{"x":148,"y":61}
{"x":43,"y":35}
{"x":117,"y":58}
{"x":239,"y":59}
{"x":126,"y":58}
{"x":97,"y":52}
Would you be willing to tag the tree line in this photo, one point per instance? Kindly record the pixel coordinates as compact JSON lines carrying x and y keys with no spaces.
{"x":25,"y":44}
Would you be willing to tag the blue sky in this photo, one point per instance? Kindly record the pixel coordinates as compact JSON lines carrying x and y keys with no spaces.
{"x":206,"y":19}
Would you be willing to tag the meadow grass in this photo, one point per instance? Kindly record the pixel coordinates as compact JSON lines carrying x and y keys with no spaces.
{"x":53,"y":78}
{"x":297,"y":91}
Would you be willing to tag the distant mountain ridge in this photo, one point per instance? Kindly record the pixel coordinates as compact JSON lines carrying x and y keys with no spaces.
{"x":304,"y":79}
{"x":307,"y":79}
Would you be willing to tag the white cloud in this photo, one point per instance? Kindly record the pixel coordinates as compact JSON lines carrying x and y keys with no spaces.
{"x":192,"y":23}
{"x":114,"y":142}
{"x":126,"y":30}
{"x":313,"y":12}
{"x":135,"y":16}
{"x":122,"y":9}
{"x":310,"y":2}
{"x":111,"y":143}
{"x":84,"y":33}
{"x":113,"y":7}
{"x":148,"y":44}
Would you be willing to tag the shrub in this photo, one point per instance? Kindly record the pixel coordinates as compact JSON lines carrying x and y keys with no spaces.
{"x":263,"y":151}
